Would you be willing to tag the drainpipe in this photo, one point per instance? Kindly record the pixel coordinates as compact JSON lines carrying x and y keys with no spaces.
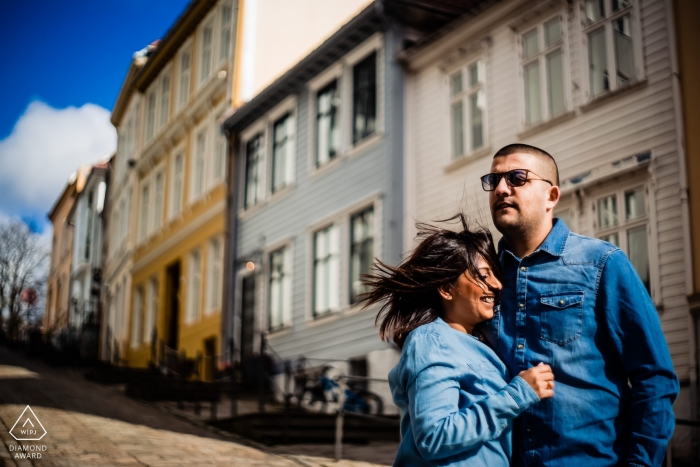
{"x":685,"y":211}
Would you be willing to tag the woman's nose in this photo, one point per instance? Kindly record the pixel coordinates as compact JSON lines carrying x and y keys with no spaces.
{"x":495,"y":283}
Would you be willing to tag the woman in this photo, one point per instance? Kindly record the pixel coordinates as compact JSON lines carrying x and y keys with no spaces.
{"x":457,"y":406}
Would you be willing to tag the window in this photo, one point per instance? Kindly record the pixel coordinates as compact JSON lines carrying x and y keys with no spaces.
{"x":543,"y":71}
{"x":325,"y":271}
{"x":164,"y":100}
{"x":88,"y":229}
{"x":218,"y":168}
{"x":176,"y":195}
{"x":361,"y":251}
{"x":467,"y":109}
{"x":214,"y":279}
{"x":226,"y":19}
{"x":136,"y":330}
{"x":282,"y":132}
{"x":152,"y":313}
{"x":195,"y":283}
{"x":200,"y":149}
{"x":151,"y":115}
{"x":158,"y":202}
{"x":143,"y":220}
{"x":252,"y":171}
{"x":280,"y":291}
{"x":184,"y":87}
{"x":364,"y":98}
{"x":622,"y":220}
{"x":327,"y":125}
{"x":205,"y":69}
{"x":611,"y":47}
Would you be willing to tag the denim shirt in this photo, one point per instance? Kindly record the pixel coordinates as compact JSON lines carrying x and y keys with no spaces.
{"x":578,"y":304}
{"x":456,"y":406}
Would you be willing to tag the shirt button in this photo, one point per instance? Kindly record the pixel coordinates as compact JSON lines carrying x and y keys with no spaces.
{"x":520,"y":346}
{"x":522,"y":305}
{"x":504,"y":425}
{"x":561,"y":302}
{"x":522,"y":268}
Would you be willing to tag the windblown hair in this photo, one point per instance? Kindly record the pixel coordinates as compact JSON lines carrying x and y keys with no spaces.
{"x":410,"y":290}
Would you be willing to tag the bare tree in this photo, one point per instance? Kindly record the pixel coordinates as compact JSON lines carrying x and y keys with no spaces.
{"x":23,"y":268}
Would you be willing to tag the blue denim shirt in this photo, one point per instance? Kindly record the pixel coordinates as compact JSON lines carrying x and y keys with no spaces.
{"x":456,"y":407}
{"x":577,"y":304}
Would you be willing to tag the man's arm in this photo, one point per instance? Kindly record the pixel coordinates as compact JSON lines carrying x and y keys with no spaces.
{"x":636,"y":333}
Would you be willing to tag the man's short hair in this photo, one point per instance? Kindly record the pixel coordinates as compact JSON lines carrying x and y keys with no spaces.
{"x":535,"y":151}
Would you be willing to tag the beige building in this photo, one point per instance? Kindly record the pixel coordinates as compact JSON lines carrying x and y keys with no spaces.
{"x":56,"y":314}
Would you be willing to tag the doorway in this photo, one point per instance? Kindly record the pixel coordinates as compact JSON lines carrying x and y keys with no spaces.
{"x":173,"y":305}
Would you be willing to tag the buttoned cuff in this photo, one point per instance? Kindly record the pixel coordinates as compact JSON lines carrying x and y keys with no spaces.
{"x":522,"y":393}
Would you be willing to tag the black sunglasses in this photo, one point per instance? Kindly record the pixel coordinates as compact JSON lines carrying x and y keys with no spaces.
{"x":515,"y":177}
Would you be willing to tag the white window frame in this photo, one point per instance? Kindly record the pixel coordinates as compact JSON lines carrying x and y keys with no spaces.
{"x":151,"y":120}
{"x":541,"y":58}
{"x":194,"y":285}
{"x":464,"y":96}
{"x":203,"y":74}
{"x":175,"y":206}
{"x":165,"y":98}
{"x":203,"y":129}
{"x":606,"y":23}
{"x":285,"y":245}
{"x":214,"y":266}
{"x":144,"y":210}
{"x":264,"y":126}
{"x":224,"y":41}
{"x":334,"y":270}
{"x":185,"y":50}
{"x":342,"y":71}
{"x":157,"y":210}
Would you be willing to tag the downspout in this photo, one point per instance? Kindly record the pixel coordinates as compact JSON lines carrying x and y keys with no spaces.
{"x":685,"y":210}
{"x":230,"y":251}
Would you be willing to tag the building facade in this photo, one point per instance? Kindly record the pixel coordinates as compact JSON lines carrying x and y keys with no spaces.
{"x":57,"y":312}
{"x":86,"y":264}
{"x":318,"y":196}
{"x":589,"y":81}
{"x":179,"y":172}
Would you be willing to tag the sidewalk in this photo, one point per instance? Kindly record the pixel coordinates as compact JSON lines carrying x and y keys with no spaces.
{"x":91,"y":425}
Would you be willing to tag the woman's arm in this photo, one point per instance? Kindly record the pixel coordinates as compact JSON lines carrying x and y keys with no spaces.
{"x":440,"y":428}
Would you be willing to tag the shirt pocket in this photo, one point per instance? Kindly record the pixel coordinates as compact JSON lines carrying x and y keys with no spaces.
{"x":561,"y":320}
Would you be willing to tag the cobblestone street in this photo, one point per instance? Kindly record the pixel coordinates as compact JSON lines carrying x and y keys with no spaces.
{"x":92,"y":425}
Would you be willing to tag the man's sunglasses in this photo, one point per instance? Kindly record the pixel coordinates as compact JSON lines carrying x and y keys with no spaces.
{"x":515,"y":177}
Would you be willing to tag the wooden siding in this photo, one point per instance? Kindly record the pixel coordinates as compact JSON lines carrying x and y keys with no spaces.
{"x":596,"y":134}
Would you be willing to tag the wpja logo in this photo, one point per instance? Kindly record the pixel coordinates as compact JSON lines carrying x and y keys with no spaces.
{"x":28,"y":428}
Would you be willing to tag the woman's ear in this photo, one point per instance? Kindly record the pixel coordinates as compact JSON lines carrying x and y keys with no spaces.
{"x":445,"y":292}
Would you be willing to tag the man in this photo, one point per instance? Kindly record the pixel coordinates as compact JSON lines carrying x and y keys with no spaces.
{"x":577,"y":304}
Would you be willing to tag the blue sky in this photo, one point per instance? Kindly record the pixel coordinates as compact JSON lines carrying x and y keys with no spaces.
{"x":63,"y":65}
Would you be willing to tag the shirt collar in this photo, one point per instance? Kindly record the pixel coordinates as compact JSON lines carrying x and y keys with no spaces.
{"x":554,"y":244}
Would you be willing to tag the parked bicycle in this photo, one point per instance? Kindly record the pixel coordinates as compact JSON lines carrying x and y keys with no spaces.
{"x":324,"y":389}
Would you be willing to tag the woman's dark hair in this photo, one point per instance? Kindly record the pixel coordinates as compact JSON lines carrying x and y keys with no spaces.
{"x":410,"y":290}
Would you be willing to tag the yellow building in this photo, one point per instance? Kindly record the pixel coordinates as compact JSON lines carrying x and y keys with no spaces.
{"x":179,"y":165}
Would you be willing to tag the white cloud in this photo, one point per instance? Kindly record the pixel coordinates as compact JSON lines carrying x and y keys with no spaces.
{"x":45,"y":147}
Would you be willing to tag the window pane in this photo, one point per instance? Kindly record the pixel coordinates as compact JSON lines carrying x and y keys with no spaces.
{"x":456,"y":83}
{"x":595,"y":10}
{"x":252,"y":168}
{"x":164,"y":100}
{"x":225,"y":47}
{"x":552,"y":32}
{"x":612,"y":238}
{"x":607,"y":212}
{"x":322,"y":271}
{"x":475,"y":74}
{"x":598,"y":63}
{"x":533,"y":106}
{"x":555,"y":81}
{"x":184,"y":88}
{"x":362,"y":251}
{"x":205,"y":70}
{"x":634,"y":203}
{"x":530,"y":45}
{"x":327,"y":130}
{"x":457,"y":129}
{"x":364,"y":110}
{"x":624,"y":53}
{"x":620,"y":4}
{"x":177,"y":186}
{"x":158,"y":208}
{"x":639,"y":253}
{"x":279,"y":153}
{"x":476,"y":111}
